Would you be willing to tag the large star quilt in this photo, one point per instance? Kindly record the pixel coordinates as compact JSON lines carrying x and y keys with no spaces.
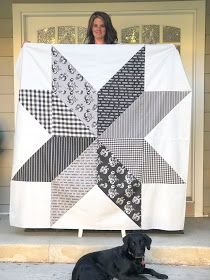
{"x":102,"y":138}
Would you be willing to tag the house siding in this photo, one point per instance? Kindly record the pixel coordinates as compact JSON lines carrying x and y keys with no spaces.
{"x":6,"y":102}
{"x":7,"y":99}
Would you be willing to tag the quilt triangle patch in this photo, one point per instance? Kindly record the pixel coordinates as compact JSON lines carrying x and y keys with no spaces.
{"x":52,"y":158}
{"x":119,"y":184}
{"x":102,"y":61}
{"x":86,"y":214}
{"x":140,"y":158}
{"x":171,"y":137}
{"x":65,"y":122}
{"x":128,"y":151}
{"x":38,"y":104}
{"x":30,"y":134}
{"x":73,"y":89}
{"x":144,"y":114}
{"x":74,"y":182}
{"x":121,"y":91}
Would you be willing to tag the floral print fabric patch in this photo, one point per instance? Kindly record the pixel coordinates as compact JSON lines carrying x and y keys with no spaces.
{"x":119,"y":184}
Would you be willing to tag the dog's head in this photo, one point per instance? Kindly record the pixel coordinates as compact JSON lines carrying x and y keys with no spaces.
{"x":136,"y":243}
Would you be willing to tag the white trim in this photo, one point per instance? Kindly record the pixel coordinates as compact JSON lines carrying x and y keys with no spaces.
{"x":198,"y":108}
{"x":196,"y":8}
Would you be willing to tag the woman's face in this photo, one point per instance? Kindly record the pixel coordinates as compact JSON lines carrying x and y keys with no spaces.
{"x":98,"y":29}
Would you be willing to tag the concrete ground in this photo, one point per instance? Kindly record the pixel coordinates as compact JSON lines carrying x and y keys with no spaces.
{"x":63,"y":246}
{"x":26,"y":271}
{"x":196,"y":233}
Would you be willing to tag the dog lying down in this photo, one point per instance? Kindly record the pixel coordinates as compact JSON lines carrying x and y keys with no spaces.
{"x":125,"y":262}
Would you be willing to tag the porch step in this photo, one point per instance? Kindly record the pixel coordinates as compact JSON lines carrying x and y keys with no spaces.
{"x":64,"y":246}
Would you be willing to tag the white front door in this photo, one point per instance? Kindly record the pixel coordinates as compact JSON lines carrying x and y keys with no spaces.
{"x":135,"y":23}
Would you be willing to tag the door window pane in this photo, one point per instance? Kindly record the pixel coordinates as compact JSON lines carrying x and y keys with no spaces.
{"x":46,"y":35}
{"x":66,"y":34}
{"x":81,"y":34}
{"x":171,"y":34}
{"x":150,"y":34}
{"x":130,"y":35}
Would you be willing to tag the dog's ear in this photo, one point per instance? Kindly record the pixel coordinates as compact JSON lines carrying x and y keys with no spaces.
{"x":148,"y":241}
{"x":126,"y":242}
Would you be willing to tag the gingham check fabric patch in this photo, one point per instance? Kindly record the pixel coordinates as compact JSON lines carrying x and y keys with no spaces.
{"x":155,"y":169}
{"x":128,"y":151}
{"x":140,"y":158}
{"x":65,"y":122}
{"x":38,"y":103}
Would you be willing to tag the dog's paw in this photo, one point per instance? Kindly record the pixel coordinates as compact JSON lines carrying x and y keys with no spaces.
{"x":162,"y":276}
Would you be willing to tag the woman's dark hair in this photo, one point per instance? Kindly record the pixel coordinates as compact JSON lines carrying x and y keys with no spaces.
{"x":111,"y":33}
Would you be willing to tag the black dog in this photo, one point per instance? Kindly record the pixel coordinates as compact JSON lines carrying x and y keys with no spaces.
{"x":125,"y":262}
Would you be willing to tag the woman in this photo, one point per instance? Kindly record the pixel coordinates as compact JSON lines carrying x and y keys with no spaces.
{"x":100,"y":29}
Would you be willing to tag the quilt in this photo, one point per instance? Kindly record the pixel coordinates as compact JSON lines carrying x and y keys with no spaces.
{"x":102,"y":138}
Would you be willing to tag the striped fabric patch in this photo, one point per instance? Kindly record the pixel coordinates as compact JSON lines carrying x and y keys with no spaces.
{"x":144,"y":114}
{"x":52,"y":158}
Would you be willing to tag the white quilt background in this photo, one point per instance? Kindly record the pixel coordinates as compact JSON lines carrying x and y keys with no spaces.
{"x":33,"y":204}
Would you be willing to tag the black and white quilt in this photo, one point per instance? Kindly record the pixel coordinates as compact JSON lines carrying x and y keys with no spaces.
{"x":102,"y":138}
